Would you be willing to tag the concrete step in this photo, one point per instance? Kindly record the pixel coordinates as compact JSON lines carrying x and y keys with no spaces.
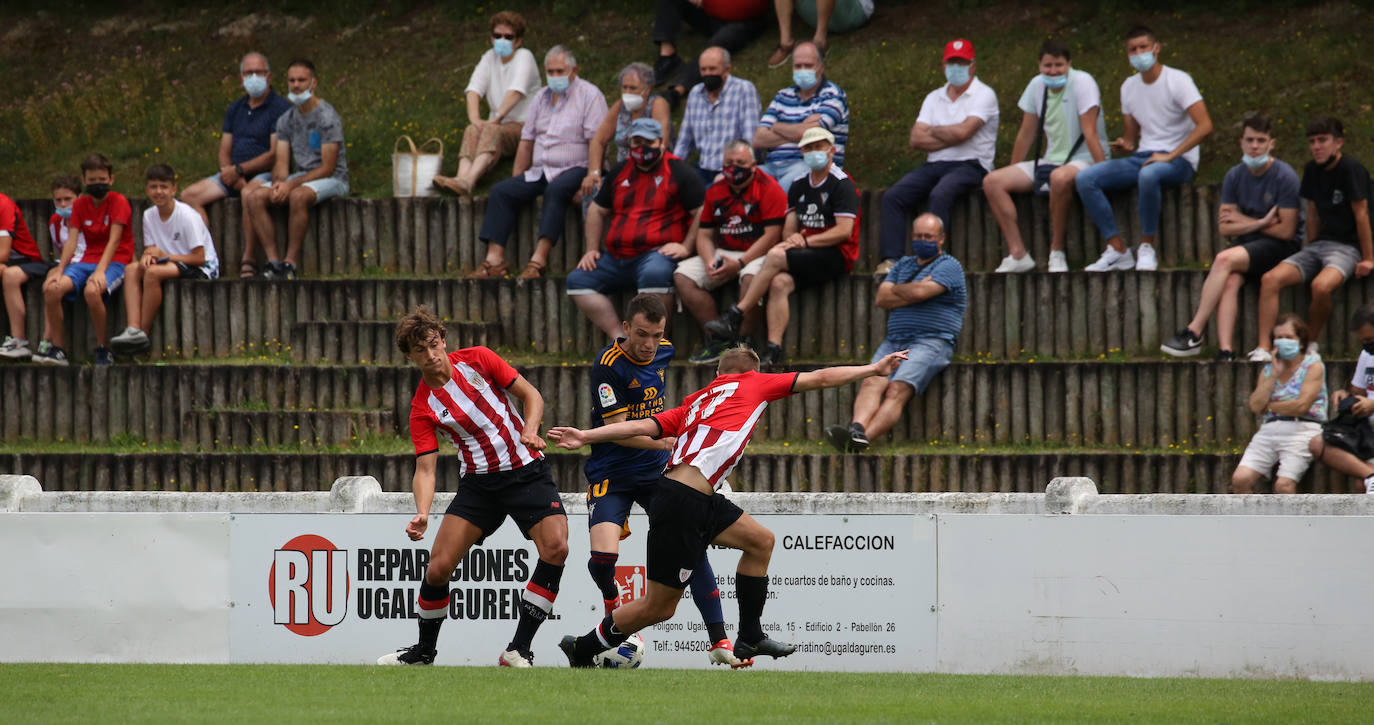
{"x":1038,"y":315}
{"x":1113,"y":472}
{"x":249,"y":430}
{"x":1136,"y":405}
{"x":372,"y":342}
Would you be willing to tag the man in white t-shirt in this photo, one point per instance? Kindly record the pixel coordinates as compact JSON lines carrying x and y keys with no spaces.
{"x":957,"y":127}
{"x":1163,"y":107}
{"x":176,"y":245}
{"x":1339,"y":459}
{"x":1066,"y":103}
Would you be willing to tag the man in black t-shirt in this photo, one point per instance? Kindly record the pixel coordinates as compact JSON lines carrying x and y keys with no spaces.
{"x":820,"y":242}
{"x":1339,"y":245}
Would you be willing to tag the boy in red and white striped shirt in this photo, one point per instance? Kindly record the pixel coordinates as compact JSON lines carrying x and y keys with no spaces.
{"x":712,"y":427}
{"x":465,"y":397}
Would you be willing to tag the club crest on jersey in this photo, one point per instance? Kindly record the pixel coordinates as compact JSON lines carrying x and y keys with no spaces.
{"x":606,"y":394}
{"x":684,"y":574}
{"x":473,"y":378}
{"x":658,"y":180}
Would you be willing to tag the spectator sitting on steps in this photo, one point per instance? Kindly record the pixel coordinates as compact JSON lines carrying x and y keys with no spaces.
{"x":1336,"y":458}
{"x":1291,"y":395}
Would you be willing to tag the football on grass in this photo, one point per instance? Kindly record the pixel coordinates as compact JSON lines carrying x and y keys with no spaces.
{"x":629,"y":655}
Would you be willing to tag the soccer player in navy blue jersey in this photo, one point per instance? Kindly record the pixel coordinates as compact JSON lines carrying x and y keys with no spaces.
{"x":628,"y":384}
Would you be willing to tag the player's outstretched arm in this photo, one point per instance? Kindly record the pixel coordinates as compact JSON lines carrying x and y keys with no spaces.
{"x":424,"y":494}
{"x":574,"y":438}
{"x":845,"y":374}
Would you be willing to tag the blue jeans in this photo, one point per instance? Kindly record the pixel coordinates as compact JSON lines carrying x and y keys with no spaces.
{"x":786,"y":171}
{"x":936,"y":184}
{"x":927,"y":356}
{"x":506,"y":198}
{"x":650,"y":272}
{"x":1095,"y":181}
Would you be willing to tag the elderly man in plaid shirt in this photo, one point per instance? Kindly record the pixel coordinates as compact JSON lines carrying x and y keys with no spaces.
{"x":720,"y":108}
{"x":551,"y":160}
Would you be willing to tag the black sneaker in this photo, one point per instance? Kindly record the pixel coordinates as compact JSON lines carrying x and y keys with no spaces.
{"x":765,"y":646}
{"x":858,"y":438}
{"x":710,"y":352}
{"x":1183,"y":344}
{"x":771,"y":355}
{"x":575,"y":659}
{"x":288,"y":270}
{"x":666,"y":67}
{"x":273,"y":270}
{"x":838,"y":436}
{"x":726,"y":327}
{"x":103,"y":356}
{"x":412,"y":655}
{"x":1225,"y":356}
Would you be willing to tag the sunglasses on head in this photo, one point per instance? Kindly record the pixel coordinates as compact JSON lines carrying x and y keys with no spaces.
{"x":503,"y":36}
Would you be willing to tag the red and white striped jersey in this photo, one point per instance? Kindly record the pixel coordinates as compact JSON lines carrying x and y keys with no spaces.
{"x":474,"y":412}
{"x":713,"y":425}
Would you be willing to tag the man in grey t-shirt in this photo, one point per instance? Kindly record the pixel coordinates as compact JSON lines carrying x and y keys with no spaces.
{"x":311,"y":133}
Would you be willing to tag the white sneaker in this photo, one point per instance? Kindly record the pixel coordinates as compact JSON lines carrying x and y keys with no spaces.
{"x":1112,"y":260}
{"x":1145,"y":259}
{"x":512,"y":658}
{"x":1259,"y":354}
{"x":1058,"y":262}
{"x":1369,"y":485}
{"x":15,"y":348}
{"x":1012,"y":265}
{"x":1312,"y":348}
{"x":723,"y":653}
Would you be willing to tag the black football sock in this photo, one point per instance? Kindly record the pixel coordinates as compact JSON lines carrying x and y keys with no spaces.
{"x":602,"y":637}
{"x":535,"y":604}
{"x":602,"y":567}
{"x":751,"y":592}
{"x":433,"y":601}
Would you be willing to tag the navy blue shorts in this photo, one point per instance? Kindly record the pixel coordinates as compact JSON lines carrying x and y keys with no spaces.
{"x":609,"y":500}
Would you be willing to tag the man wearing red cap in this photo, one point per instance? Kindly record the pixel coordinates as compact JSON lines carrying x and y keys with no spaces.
{"x":957,"y":128}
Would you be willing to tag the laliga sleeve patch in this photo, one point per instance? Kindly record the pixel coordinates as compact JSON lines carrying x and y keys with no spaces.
{"x":606,"y":393}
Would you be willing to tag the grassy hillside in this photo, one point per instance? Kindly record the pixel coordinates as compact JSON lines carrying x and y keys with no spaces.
{"x":144,"y":82}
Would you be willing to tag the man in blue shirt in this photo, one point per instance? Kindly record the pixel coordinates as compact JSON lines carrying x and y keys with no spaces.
{"x":628,"y":384}
{"x":812,"y":100}
{"x":245,"y":145}
{"x":926,"y":296}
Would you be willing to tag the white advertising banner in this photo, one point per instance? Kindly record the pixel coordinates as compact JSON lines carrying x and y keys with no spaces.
{"x":853,"y":592}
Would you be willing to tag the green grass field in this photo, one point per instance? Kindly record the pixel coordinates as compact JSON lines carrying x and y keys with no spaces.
{"x":242,"y":693}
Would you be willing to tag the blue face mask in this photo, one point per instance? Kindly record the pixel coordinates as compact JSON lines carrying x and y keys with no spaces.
{"x":255,"y":85}
{"x":503,"y":47}
{"x":1054,"y":83}
{"x":559,"y":84}
{"x":300,"y":98}
{"x":1255,"y":163}
{"x":1143,"y":61}
{"x":65,"y":212}
{"x":804,"y":78}
{"x":925,"y":249}
{"x":956,"y":74}
{"x":816,"y":160}
{"x":1286,"y":348}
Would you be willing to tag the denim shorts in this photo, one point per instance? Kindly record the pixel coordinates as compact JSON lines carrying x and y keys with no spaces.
{"x":649,"y":272}
{"x":264,"y":177}
{"x":927,"y":356}
{"x":79,"y":272}
{"x":324,"y":189}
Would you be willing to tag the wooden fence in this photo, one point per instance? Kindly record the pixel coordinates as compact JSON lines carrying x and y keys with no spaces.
{"x":439,"y":236}
{"x":1027,"y":473}
{"x":1182,"y":406}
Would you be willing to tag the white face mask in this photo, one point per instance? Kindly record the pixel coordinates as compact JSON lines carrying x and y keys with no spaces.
{"x":632,"y":101}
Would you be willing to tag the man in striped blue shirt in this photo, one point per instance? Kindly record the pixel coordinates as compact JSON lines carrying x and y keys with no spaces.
{"x":810,"y":101}
{"x":721,"y":108}
{"x":925,"y":296}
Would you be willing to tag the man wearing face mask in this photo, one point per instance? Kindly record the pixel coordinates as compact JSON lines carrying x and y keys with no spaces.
{"x":646,"y":208}
{"x":741,"y":220}
{"x":820,"y":242}
{"x":925,"y":295}
{"x":1163,"y":107}
{"x":811,"y":101}
{"x":1356,"y":401}
{"x":551,"y":161}
{"x":719,"y":109}
{"x":246,"y":152}
{"x":957,"y":128}
{"x":1262,"y":215}
{"x":311,"y":134}
{"x":1339,"y":244}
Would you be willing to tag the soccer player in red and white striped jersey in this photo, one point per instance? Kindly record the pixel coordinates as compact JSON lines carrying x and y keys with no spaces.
{"x":465,"y":397}
{"x":712,"y":427}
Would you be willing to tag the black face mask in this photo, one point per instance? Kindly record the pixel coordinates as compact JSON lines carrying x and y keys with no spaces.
{"x":1369,"y":348}
{"x":713,"y":83}
{"x":645,"y":155}
{"x":97,"y":191}
{"x":738,"y":175}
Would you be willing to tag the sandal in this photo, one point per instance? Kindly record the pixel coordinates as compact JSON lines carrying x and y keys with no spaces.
{"x":247,"y":270}
{"x":489,"y":271}
{"x":453,"y":185}
{"x":534,"y":270}
{"x":780,"y":54}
